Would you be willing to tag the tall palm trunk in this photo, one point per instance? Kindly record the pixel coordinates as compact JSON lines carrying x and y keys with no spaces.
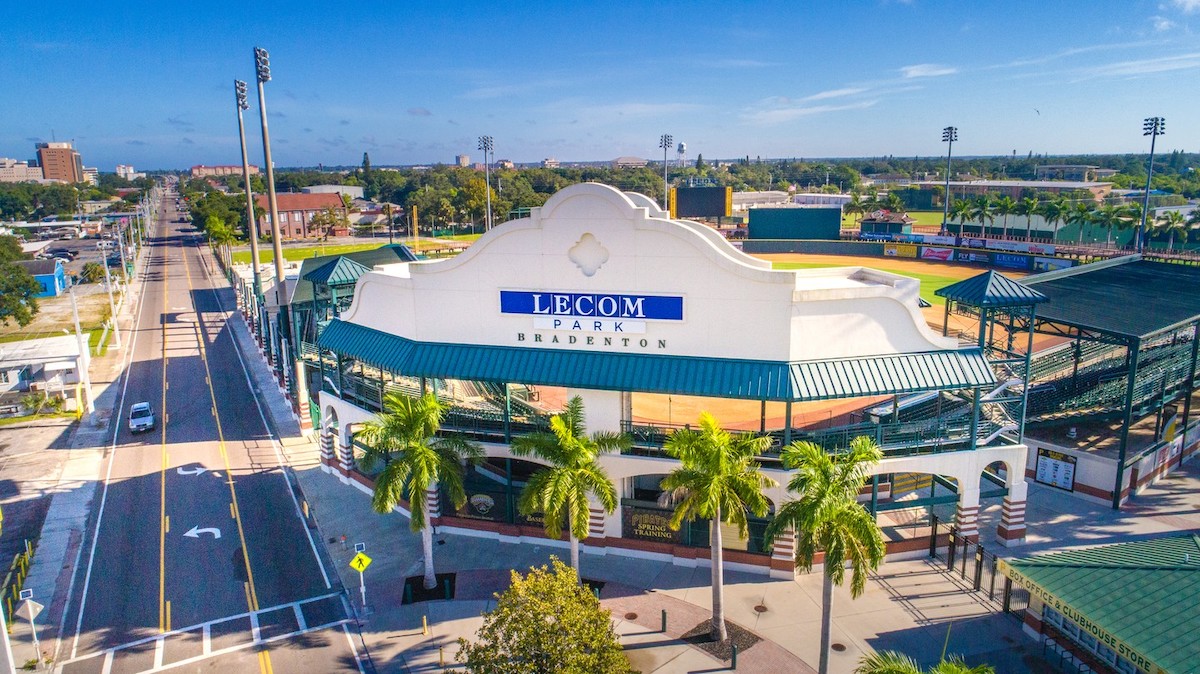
{"x":718,"y":632}
{"x":574,"y":547}
{"x":427,"y":552}
{"x":1005,"y":234}
{"x":826,"y":621}
{"x":1028,"y":229}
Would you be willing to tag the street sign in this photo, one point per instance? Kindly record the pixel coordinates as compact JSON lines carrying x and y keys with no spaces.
{"x":360,"y":562}
{"x":26,"y":594}
{"x":360,"y":547}
{"x":29,"y":609}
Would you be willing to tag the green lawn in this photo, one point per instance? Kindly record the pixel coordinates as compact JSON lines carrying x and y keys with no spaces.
{"x":298,"y":253}
{"x":929,"y":282}
{"x":923,"y":219}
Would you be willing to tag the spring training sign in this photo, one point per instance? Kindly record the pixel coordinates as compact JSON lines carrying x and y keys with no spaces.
{"x":591,"y":312}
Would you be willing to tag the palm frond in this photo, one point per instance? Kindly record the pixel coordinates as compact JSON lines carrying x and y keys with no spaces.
{"x":887,"y":662}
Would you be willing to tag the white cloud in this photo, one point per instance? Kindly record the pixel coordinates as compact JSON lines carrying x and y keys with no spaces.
{"x":1161,"y":23}
{"x":1188,"y":6}
{"x":835,"y":93}
{"x":926,"y":70}
{"x":787,"y":114}
{"x":1145,"y":66}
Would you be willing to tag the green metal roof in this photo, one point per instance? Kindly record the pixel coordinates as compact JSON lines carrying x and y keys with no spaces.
{"x":1144,"y":594}
{"x":337,"y":272}
{"x":617,"y":371}
{"x":989,"y":290}
{"x":388,"y":254}
{"x":1127,"y":296}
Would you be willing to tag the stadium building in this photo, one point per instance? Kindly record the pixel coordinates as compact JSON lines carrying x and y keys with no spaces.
{"x":650,"y":320}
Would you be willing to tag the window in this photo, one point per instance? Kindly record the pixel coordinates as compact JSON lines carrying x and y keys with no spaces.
{"x":283,"y":217}
{"x":4,"y":377}
{"x":1106,"y":654}
{"x":1051,"y":616}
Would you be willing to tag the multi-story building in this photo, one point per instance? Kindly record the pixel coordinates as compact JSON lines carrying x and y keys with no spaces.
{"x":60,"y":161}
{"x":462,"y":160}
{"x":202,"y":171}
{"x":296,"y":212}
{"x":91,"y":175}
{"x":13,"y":171}
{"x":126,"y":171}
{"x":550,"y":162}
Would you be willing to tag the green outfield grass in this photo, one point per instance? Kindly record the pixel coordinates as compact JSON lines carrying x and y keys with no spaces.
{"x":923,"y":219}
{"x":929,"y":282}
{"x":298,"y":253}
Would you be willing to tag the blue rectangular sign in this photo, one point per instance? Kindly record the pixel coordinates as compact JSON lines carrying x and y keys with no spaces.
{"x":592,"y":305}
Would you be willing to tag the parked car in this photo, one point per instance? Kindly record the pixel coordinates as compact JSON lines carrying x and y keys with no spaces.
{"x":141,"y":417}
{"x":61,"y":252}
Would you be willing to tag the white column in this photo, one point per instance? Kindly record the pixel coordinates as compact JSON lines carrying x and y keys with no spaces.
{"x":966,"y":518}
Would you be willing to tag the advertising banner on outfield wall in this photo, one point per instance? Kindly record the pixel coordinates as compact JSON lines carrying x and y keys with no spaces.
{"x":972,"y":243}
{"x":900,"y":250}
{"x":968,"y":256}
{"x":1050,"y":263}
{"x":1010,"y":261}
{"x":931,"y":253}
{"x":1021,"y":247}
{"x":940,"y":240}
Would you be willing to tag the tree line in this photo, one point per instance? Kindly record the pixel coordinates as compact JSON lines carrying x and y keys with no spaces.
{"x":34,"y":201}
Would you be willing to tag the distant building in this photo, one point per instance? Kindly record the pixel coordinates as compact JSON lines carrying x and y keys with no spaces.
{"x":95,"y":206}
{"x":462,"y":160}
{"x":550,"y":162}
{"x":202,"y":171}
{"x":13,"y":171}
{"x":48,"y":273}
{"x":126,"y":171}
{"x":630,"y":162}
{"x":354,"y":191}
{"x":60,"y":161}
{"x":91,"y":175}
{"x":504,"y":163}
{"x":1065,"y":172}
{"x":1015,"y":188}
{"x":296,"y":212}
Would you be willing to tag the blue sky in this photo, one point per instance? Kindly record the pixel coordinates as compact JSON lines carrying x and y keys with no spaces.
{"x":150,"y":83}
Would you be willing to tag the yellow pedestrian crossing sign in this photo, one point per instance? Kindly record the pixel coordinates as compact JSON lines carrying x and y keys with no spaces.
{"x":360,"y":562}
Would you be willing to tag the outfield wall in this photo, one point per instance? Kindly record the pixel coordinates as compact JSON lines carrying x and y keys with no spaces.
{"x":959,"y":250}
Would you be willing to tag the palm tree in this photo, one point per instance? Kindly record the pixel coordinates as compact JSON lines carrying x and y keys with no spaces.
{"x":855,"y":207}
{"x":1133,"y":211}
{"x":1173,"y":222}
{"x":403,"y":437}
{"x":891,"y":662}
{"x":894,"y":203}
{"x":1029,"y":208}
{"x":1055,"y":212}
{"x":718,"y":480}
{"x":1110,"y":217}
{"x":827,"y":517}
{"x":1004,"y":206}
{"x":981,"y":210}
{"x":561,"y":490}
{"x":1081,"y":214}
{"x":960,"y":210}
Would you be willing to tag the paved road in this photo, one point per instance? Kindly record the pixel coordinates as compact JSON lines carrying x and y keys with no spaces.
{"x":200,"y":554}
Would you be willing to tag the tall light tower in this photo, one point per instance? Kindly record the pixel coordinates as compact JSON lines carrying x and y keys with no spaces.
{"x":239,"y":88}
{"x":949,"y":135}
{"x":486,"y":144}
{"x":262,"y":65}
{"x":665,"y":141}
{"x":1153,"y":127}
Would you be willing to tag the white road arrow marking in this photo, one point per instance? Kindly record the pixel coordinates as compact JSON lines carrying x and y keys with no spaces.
{"x":195,"y":532}
{"x":197,"y":471}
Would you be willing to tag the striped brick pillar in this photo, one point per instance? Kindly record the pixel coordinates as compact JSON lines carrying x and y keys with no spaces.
{"x":1012,"y":515}
{"x":345,"y":455}
{"x":596,"y":520}
{"x":328,"y":437}
{"x":966,"y":517}
{"x":783,"y":555}
{"x":302,"y":402}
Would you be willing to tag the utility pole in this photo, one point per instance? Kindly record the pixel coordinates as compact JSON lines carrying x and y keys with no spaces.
{"x":112,"y":306}
{"x":84,"y":357}
{"x":239,"y":88}
{"x":486,"y":144}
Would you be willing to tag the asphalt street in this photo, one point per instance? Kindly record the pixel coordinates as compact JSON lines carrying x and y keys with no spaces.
{"x":200,"y":553}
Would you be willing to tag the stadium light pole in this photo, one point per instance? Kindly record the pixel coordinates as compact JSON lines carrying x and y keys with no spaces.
{"x":949,"y":135}
{"x":239,"y":88}
{"x":665,"y":141}
{"x":488,"y":147}
{"x":262,"y":65}
{"x":1153,"y":127}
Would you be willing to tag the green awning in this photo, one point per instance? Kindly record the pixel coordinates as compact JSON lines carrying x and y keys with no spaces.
{"x":1142,"y":595}
{"x":991,"y":289}
{"x":340,"y":271}
{"x":651,"y":373}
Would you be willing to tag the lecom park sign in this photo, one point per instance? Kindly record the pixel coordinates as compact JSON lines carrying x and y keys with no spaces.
{"x":614,"y":314}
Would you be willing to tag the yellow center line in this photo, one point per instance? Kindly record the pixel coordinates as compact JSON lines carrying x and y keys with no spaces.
{"x":252,"y":593}
{"x":163,"y":614}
